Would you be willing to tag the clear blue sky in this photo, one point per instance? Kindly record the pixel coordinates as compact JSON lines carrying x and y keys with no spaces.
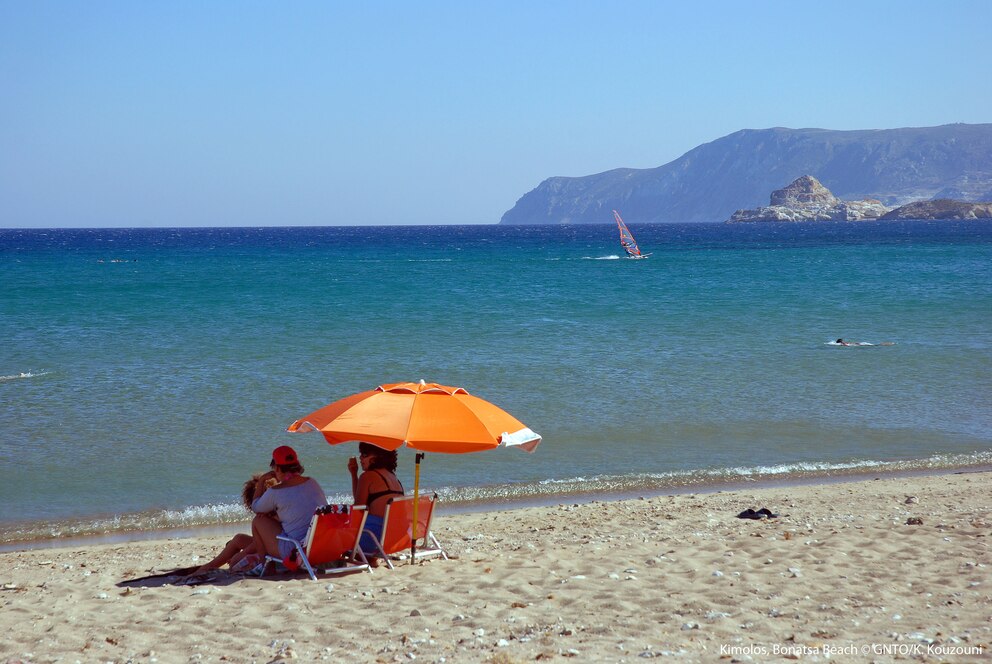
{"x":175,"y":113}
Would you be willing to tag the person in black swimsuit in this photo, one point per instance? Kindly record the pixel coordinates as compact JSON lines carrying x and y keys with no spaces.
{"x":374,"y":487}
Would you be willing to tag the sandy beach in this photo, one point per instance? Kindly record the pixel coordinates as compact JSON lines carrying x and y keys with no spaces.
{"x":840,"y":575}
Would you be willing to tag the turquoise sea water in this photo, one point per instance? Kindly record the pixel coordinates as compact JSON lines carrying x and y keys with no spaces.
{"x":144,"y":374}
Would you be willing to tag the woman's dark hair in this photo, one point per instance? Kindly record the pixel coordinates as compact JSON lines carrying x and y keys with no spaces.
{"x":287,"y":468}
{"x":248,"y":491}
{"x":381,"y":459}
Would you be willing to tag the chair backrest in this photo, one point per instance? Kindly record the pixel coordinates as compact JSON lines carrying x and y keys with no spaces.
{"x":398,"y":519}
{"x":335,"y":530}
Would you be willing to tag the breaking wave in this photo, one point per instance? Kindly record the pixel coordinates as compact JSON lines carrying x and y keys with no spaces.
{"x":481,"y":498}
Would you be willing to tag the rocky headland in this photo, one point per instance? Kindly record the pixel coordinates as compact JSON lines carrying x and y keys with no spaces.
{"x":805,"y":199}
{"x":941,"y":208}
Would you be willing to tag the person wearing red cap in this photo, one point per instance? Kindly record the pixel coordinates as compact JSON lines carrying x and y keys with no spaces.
{"x":291,"y":496}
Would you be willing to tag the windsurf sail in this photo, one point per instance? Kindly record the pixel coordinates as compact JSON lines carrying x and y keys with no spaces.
{"x":627,"y":240}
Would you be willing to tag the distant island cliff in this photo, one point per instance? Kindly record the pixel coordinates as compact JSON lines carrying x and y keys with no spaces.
{"x":806,"y":199}
{"x":887,"y":167}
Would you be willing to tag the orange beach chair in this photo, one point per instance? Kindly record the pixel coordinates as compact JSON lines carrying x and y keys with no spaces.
{"x":397,"y":530}
{"x":332,"y":539}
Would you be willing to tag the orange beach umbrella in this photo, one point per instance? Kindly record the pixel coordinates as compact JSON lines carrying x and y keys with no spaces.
{"x":424,"y":416}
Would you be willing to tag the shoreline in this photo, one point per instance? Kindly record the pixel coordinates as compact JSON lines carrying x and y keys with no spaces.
{"x":887,"y":569}
{"x":230,"y":528}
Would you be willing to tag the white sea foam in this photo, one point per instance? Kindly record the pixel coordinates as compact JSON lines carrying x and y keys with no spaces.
{"x":467,"y":496}
{"x":805,"y":467}
{"x":612,"y":257}
{"x":24,"y":374}
{"x":681,"y":479}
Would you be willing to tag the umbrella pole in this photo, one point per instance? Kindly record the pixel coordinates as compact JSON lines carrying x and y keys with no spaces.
{"x":416,"y":505}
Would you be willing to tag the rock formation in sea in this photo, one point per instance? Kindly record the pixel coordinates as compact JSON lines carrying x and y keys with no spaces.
{"x":894,"y":166}
{"x":805,"y":199}
{"x":941,"y":208}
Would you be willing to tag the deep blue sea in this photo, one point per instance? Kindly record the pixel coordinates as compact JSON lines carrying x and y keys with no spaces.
{"x":145,"y":373}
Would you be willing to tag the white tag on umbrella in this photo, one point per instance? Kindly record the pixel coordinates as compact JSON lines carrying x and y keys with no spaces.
{"x":525,"y":439}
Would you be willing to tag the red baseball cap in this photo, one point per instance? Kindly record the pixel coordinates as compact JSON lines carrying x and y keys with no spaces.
{"x":284,"y":455}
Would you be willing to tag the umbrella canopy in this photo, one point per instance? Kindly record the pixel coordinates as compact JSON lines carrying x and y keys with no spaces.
{"x":425,"y":416}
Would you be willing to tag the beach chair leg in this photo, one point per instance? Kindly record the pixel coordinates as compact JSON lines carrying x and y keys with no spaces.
{"x":301,"y":554}
{"x":438,"y":546}
{"x":304,"y":561}
{"x":382,"y":553}
{"x":378,"y":546}
{"x":362,"y":559}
